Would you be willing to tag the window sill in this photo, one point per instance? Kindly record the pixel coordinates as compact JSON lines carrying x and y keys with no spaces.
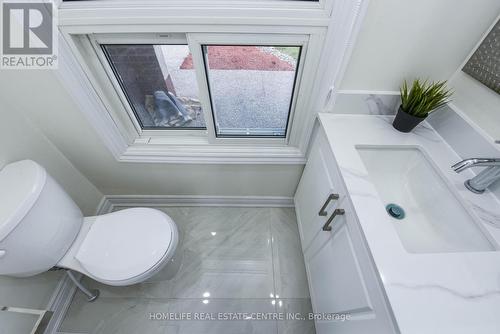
{"x":213,"y":154}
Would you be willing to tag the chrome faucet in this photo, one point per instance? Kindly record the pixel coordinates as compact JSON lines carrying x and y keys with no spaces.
{"x":482,"y":180}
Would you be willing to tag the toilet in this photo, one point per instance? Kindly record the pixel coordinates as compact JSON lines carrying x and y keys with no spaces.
{"x":41,"y":227}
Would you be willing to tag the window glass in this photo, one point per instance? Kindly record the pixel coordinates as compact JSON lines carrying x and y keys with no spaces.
{"x":251,"y":88}
{"x":159,"y":83}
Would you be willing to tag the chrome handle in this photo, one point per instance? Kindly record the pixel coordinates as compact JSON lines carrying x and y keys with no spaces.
{"x":322,"y":211}
{"x":337,"y":212}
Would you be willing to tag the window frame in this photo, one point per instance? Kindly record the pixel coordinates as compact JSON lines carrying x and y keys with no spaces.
{"x":332,"y":27}
{"x":122,"y":85}
{"x":291,"y":104}
{"x":195,"y":42}
{"x":198,"y":40}
{"x":98,"y":40}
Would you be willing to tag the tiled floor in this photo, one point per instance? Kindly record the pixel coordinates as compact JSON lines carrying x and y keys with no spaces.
{"x":235,"y":260}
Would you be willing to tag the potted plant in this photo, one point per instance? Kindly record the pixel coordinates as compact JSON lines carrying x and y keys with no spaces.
{"x":418,"y":102}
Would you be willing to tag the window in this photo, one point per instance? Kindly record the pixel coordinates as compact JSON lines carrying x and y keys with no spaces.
{"x":251,"y":88}
{"x":159,"y":84}
{"x":115,"y":101}
{"x":176,"y":96}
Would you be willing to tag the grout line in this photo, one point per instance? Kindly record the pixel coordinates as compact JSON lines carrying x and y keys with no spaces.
{"x":275,"y":288}
{"x":145,"y":298}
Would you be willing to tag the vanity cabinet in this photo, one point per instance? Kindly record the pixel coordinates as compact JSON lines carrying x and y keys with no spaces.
{"x":342,"y":276}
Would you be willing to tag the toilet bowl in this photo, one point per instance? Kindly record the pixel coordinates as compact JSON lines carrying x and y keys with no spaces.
{"x":41,"y":228}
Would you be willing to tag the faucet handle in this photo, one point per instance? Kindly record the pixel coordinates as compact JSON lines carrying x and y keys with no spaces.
{"x":480,"y":162}
{"x":463,"y":165}
{"x":481,"y":181}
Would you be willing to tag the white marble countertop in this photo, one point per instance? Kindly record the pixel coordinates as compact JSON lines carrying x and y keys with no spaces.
{"x":434,"y":292}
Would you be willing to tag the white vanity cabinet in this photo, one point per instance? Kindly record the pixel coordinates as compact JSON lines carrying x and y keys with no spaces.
{"x":342,"y":276}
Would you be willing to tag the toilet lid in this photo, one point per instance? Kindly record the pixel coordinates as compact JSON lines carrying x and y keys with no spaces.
{"x":126,"y":243}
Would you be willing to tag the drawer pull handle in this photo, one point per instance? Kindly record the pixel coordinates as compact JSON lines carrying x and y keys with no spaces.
{"x":322,"y":211}
{"x":337,"y":212}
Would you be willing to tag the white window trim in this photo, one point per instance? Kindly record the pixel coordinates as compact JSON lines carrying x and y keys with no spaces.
{"x":272,"y":12}
{"x":195,"y":42}
{"x":122,"y":137}
{"x":305,"y":74}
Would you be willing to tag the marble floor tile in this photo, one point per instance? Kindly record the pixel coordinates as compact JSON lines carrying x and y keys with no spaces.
{"x":109,"y":315}
{"x":234,"y":260}
{"x":222,"y":311}
{"x":180,"y":316}
{"x":288,"y":260}
{"x":226,"y":252}
{"x":296,"y":316}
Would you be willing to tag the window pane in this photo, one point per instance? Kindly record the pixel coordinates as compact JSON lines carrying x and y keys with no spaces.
{"x":251,"y":88}
{"x":160,"y":84}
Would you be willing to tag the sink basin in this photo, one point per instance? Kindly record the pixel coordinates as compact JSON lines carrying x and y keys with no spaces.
{"x":435,"y":220}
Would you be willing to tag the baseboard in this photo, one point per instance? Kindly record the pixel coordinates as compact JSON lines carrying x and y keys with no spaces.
{"x":59,"y":303}
{"x":110,"y":202}
{"x":103,"y":207}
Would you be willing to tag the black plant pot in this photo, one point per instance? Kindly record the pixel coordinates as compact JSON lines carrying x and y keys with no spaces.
{"x":405,"y":122}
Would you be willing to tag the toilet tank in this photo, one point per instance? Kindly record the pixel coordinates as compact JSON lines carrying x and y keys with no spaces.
{"x":38,"y":220}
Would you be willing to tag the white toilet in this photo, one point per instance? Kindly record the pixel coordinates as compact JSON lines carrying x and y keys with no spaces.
{"x":41,"y":228}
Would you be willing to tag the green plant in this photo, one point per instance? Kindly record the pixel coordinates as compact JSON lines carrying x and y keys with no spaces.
{"x":423,"y":98}
{"x":291,"y":51}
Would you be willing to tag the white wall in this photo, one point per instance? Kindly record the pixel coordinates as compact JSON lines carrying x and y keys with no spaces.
{"x":19,"y":139}
{"x":480,"y":104}
{"x":400,"y":38}
{"x":42,"y":98}
{"x":408,"y":38}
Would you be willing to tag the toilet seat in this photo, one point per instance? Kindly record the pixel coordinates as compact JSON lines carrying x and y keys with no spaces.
{"x":126,"y":246}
